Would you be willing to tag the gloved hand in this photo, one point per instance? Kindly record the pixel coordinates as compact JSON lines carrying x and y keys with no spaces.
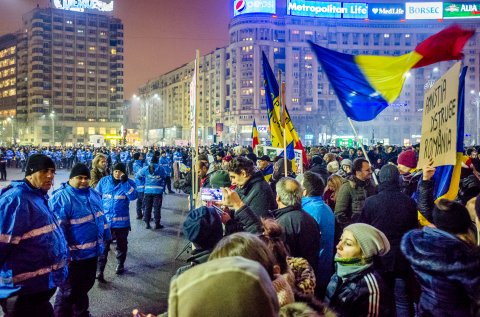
{"x":124,"y":178}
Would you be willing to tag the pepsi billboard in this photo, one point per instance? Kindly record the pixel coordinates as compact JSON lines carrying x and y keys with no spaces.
{"x":386,"y":11}
{"x":253,"y":6}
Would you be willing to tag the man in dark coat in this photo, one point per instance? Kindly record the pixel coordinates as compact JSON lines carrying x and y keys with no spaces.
{"x":301,"y":231}
{"x":252,"y":188}
{"x":394,"y":213}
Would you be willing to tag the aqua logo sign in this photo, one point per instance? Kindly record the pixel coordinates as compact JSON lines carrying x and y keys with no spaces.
{"x":386,"y":11}
{"x":423,"y":10}
{"x":253,"y":6}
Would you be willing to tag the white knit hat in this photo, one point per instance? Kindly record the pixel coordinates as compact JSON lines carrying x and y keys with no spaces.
{"x":371,"y":240}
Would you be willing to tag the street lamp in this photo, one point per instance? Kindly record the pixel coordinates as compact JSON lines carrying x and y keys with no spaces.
{"x":476,"y":102}
{"x":52,"y":116}
{"x":10,"y":120}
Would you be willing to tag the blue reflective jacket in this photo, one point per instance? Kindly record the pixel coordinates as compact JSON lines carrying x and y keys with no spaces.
{"x":166,"y":163}
{"x":139,"y":180}
{"x":79,"y":212}
{"x":125,"y":156}
{"x":116,"y":200}
{"x":178,"y":157}
{"x":33,"y":250}
{"x":154,"y":182}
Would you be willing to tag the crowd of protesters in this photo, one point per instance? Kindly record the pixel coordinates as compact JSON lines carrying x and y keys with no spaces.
{"x":355,"y":234}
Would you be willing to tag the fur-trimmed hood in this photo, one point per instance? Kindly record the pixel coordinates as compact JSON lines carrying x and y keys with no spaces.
{"x":438,"y":251}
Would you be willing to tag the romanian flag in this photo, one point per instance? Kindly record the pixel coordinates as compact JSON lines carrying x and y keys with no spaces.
{"x":367,"y":84}
{"x":274,"y":115}
{"x":255,"y":140}
{"x":447,"y":177}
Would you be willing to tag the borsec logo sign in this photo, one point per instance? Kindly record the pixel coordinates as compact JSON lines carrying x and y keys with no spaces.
{"x":253,"y":6}
{"x":423,"y":10}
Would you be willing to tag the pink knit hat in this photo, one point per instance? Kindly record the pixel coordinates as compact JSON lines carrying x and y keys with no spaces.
{"x":407,"y":158}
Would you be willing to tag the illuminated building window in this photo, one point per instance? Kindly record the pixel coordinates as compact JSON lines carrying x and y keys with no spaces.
{"x":102,"y":131}
{"x":81,"y":63}
{"x":91,"y":48}
{"x":69,"y":22}
{"x":80,"y":130}
{"x":91,"y":130}
{"x":308,"y":109}
{"x":114,"y":51}
{"x":407,"y":35}
{"x":295,"y":32}
{"x":308,"y":32}
{"x":113,"y":131}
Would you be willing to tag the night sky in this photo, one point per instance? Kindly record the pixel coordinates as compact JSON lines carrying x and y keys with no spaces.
{"x":160,"y":35}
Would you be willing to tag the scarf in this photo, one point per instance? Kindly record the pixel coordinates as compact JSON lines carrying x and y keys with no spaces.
{"x":350,"y":266}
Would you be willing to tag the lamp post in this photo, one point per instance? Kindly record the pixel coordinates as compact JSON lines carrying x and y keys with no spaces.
{"x":476,"y":102}
{"x":10,"y":120}
{"x":52,"y":116}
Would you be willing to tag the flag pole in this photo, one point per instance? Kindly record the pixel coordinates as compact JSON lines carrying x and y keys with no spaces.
{"x":195,"y":132}
{"x":282,"y":121}
{"x":363,"y":149}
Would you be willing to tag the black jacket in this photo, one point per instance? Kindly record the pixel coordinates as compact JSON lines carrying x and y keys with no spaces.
{"x":393,"y":213}
{"x":301,"y":233}
{"x":257,"y":195}
{"x":244,"y":219}
{"x":425,"y":198}
{"x":359,"y":294}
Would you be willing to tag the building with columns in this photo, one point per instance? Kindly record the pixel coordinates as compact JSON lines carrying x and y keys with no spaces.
{"x":231,"y":78}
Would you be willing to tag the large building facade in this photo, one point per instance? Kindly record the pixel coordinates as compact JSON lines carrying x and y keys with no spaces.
{"x":69,"y":77}
{"x":231,"y":79}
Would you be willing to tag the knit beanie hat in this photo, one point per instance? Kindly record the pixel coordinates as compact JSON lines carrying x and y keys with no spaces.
{"x":332,"y":167}
{"x":231,"y":286}
{"x":203,"y":227}
{"x":389,"y":174}
{"x":80,"y":169}
{"x":220,"y":179}
{"x":371,"y":240}
{"x":38,"y":162}
{"x":407,"y":158}
{"x":120,"y":167}
{"x":454,"y":220}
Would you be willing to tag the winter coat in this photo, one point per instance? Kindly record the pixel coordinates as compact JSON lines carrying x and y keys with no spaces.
{"x":257,"y":194}
{"x":321,"y":170}
{"x":323,"y":215}
{"x":166,"y":163}
{"x":79,"y":212}
{"x":409,"y":182}
{"x":95,"y":176}
{"x":301,"y":233}
{"x":425,"y":199}
{"x":139,"y":179}
{"x":393,"y":213}
{"x":244,"y":220}
{"x":350,"y":200}
{"x":116,"y":200}
{"x":155,"y":177}
{"x":359,"y":294}
{"x":448,"y":271}
{"x":33,"y":250}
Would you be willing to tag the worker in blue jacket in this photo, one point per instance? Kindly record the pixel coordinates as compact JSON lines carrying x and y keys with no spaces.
{"x":138,"y":164}
{"x":155,"y":176}
{"x":117,"y":192}
{"x":166,"y":163}
{"x":79,"y":211}
{"x":33,"y":250}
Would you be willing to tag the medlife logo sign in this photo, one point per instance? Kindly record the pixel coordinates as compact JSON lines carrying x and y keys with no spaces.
{"x":81,"y":5}
{"x":384,"y":11}
{"x":423,"y":10}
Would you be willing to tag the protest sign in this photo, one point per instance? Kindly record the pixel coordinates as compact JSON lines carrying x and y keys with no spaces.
{"x":439,"y":124}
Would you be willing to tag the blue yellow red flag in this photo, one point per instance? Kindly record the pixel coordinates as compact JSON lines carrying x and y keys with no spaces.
{"x":364,"y":89}
{"x":255,"y":140}
{"x":274,"y":115}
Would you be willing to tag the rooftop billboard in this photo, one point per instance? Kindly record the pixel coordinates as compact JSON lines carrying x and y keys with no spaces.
{"x":253,"y":6}
{"x":82,"y":5}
